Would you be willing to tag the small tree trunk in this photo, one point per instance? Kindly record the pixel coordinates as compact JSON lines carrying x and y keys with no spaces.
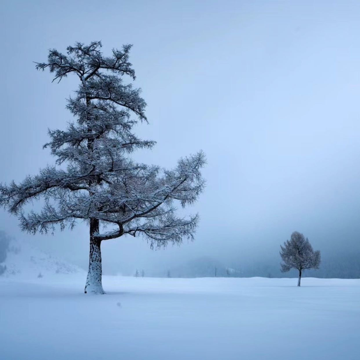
{"x":299,"y":281}
{"x":94,"y":277}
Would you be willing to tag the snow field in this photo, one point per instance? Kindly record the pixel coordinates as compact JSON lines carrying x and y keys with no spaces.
{"x":155,"y":319}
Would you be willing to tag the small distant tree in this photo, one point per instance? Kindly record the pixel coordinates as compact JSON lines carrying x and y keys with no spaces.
{"x":297,"y":253}
{"x":136,"y":273}
{"x":101,"y":184}
{"x":142,"y":273}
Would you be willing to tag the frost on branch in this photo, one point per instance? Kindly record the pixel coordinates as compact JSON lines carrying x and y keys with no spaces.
{"x":101,"y":183}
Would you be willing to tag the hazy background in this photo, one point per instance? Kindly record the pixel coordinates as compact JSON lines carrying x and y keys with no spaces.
{"x":269,"y":90}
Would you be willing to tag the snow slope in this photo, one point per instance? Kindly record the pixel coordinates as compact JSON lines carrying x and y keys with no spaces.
{"x":173,"y":319}
{"x":23,"y":261}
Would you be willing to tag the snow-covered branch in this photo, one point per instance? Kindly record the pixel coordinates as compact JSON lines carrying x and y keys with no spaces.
{"x":87,"y":61}
{"x":297,"y":253}
{"x":14,"y":197}
{"x":165,"y":229}
{"x":102,"y":184}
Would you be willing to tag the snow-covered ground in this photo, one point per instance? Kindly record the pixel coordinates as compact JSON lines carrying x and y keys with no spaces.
{"x":172,"y":319}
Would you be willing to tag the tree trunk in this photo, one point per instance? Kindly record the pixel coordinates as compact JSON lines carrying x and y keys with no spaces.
{"x":94,"y":277}
{"x":299,"y":281}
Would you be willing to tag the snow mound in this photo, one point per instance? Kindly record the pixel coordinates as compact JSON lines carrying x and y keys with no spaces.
{"x":26,"y":261}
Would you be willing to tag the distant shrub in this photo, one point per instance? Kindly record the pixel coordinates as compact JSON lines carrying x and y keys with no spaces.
{"x":2,"y":269}
{"x":4,"y":245}
{"x":14,"y":249}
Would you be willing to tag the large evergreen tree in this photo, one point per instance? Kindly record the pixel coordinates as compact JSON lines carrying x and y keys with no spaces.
{"x":297,"y":253}
{"x":101,"y":184}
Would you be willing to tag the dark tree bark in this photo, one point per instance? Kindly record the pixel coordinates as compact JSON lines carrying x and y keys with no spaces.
{"x":300,"y":273}
{"x":94,"y":277}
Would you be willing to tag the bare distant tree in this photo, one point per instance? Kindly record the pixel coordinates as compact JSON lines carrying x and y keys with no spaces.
{"x":101,"y":184}
{"x":298,"y":253}
{"x":4,"y":245}
{"x":4,"y":248}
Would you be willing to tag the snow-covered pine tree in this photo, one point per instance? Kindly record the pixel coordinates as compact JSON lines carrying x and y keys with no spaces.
{"x":101,"y":184}
{"x":298,"y":253}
